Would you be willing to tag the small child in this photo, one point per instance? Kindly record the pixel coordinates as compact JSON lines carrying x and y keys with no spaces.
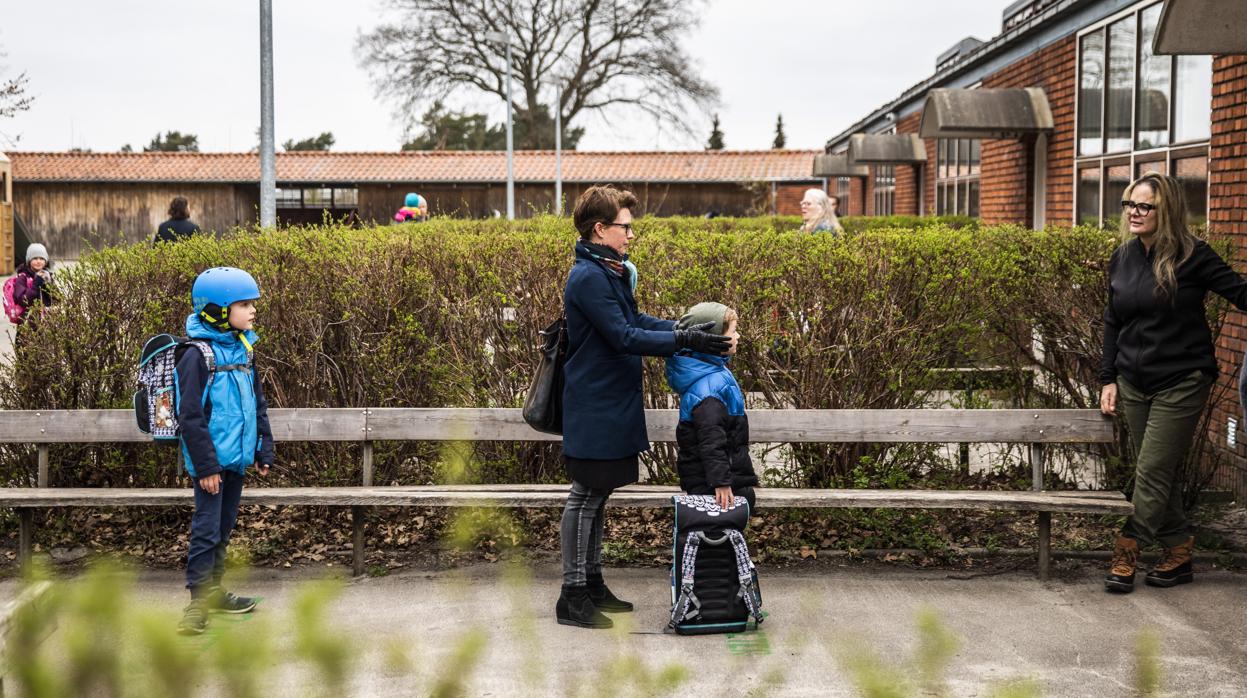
{"x":713,"y":433}
{"x":34,"y":280}
{"x":224,"y":422}
{"x":415,"y":209}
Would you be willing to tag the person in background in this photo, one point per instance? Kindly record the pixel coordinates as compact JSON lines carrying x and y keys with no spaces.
{"x":415,"y":209}
{"x":179,"y":226}
{"x":31,"y":284}
{"x":818,"y":213}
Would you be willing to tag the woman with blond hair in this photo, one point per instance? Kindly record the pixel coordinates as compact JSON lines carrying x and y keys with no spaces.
{"x":1159,"y":365}
{"x":818,"y":213}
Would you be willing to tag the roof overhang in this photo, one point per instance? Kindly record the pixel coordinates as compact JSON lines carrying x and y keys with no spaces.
{"x":985,"y":113}
{"x":886,"y":149}
{"x":1201,"y":27}
{"x":838,"y":165}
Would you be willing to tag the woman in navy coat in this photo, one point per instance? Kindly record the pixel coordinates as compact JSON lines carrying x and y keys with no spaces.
{"x":603,"y":410}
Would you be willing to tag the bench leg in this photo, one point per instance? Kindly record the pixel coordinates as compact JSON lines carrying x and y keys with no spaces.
{"x":357,"y":546}
{"x":25,"y":536}
{"x":1045,"y":544}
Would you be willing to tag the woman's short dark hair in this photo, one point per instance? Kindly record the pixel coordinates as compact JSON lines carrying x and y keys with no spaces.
{"x":600,"y":204}
{"x":179,"y":208}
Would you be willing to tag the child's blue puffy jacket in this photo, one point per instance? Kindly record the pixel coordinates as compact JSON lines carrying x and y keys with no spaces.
{"x":223,"y":415}
{"x":713,"y":433}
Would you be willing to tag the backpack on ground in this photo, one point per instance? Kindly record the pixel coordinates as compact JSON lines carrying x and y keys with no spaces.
{"x":14,"y":310}
{"x":714,"y":585}
{"x":155,"y":402}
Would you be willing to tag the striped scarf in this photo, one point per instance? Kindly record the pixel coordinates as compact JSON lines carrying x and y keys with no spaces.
{"x":613,"y":261}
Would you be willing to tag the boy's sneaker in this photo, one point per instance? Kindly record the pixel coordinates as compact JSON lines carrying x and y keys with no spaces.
{"x":221,"y":601}
{"x":194,"y":619}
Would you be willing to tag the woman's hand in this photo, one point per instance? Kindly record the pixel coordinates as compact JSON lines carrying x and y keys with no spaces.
{"x":724,"y":498}
{"x":700,"y":340}
{"x":1108,"y":399}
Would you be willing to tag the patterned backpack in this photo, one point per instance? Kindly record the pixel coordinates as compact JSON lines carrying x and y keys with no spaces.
{"x":714,"y":585}
{"x":155,"y":402}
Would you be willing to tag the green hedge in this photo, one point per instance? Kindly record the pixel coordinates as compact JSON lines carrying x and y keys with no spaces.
{"x":413,"y":316}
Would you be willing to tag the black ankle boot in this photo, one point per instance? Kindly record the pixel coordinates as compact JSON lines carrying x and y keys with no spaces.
{"x":574,"y":607}
{"x":604,"y":599}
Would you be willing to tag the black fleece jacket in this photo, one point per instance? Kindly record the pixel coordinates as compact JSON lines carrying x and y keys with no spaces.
{"x":1155,"y":342}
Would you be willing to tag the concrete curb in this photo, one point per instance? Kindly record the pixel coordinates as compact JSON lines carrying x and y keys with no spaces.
{"x":989,"y":553}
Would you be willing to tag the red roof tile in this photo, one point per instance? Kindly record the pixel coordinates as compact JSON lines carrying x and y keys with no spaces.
{"x":421,"y":166}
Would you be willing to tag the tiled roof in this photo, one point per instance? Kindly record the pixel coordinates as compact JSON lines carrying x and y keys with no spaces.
{"x":421,"y":166}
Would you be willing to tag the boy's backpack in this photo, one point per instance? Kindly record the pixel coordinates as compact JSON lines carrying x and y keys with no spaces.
{"x":714,"y":585}
{"x":14,"y":310}
{"x":155,"y":402}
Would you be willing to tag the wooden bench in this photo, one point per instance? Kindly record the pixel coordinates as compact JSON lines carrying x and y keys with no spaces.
{"x":1037,"y":428}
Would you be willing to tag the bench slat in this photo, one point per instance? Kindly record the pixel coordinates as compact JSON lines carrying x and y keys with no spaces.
{"x":651,"y":496}
{"x":506,"y":424}
{"x":776,"y":426}
{"x":98,"y":426}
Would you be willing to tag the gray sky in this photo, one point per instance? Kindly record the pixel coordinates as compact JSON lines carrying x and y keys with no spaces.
{"x":115,"y":72}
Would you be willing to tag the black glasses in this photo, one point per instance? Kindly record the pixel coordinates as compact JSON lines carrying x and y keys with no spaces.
{"x":626,"y":226}
{"x":1142,"y":208}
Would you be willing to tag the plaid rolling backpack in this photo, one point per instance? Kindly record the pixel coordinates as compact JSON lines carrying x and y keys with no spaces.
{"x":714,"y":585}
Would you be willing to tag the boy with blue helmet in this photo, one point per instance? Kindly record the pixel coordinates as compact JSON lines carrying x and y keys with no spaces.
{"x":712,"y":437}
{"x":224,"y":428}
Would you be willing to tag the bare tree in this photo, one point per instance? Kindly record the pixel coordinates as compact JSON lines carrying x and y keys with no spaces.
{"x":606,"y":54}
{"x":13,"y":97}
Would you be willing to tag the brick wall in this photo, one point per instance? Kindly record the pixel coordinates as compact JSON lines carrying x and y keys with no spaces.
{"x":788,"y":197}
{"x":1006,"y":194}
{"x":905,"y":201}
{"x":1227,"y":217}
{"x":854,"y":206}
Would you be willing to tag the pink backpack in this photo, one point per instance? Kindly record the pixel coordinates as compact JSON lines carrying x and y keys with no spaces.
{"x":12,"y":308}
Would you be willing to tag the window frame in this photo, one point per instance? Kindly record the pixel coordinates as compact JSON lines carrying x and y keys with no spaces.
{"x":1135,"y":156}
{"x":948,"y":176}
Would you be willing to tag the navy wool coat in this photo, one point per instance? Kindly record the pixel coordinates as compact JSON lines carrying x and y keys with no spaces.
{"x":603,"y":410}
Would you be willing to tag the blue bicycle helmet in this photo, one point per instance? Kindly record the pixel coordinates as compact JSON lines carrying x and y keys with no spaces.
{"x":215,"y":289}
{"x":413,"y":200}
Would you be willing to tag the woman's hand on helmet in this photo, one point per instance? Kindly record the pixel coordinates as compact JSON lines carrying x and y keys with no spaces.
{"x":700,"y":340}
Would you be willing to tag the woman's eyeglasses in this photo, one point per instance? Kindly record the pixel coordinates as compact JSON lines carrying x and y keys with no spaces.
{"x":1142,"y":208}
{"x":626,"y":226}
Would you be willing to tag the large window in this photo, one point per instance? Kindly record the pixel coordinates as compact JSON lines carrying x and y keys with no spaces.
{"x":318,"y":197}
{"x":1138,"y":113}
{"x":843,"y":189}
{"x":885,"y":189}
{"x":957,"y":168}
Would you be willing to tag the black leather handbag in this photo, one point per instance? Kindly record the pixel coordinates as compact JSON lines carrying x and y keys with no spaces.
{"x":543,"y":407}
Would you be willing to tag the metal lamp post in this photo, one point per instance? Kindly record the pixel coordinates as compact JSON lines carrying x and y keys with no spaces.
{"x":268,"y":165}
{"x":504,"y":38}
{"x":558,"y":150}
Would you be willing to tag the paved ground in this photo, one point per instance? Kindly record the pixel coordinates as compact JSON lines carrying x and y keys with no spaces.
{"x":1071,"y":637}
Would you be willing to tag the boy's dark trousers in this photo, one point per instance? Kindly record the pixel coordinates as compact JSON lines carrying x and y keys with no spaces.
{"x":211,"y":526}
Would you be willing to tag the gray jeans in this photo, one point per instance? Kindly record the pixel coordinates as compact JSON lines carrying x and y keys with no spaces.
{"x":582,"y":533}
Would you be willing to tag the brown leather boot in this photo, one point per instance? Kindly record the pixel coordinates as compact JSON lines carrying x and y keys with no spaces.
{"x":1174,"y":567}
{"x":1125,"y":556}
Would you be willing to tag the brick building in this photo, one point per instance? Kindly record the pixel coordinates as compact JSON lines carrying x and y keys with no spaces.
{"x":1107,"y":110}
{"x":70,"y":200}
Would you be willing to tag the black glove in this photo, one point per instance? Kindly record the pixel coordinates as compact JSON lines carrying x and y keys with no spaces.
{"x":699,"y":340}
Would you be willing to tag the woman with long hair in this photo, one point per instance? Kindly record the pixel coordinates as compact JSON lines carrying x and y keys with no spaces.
{"x":818,"y":213}
{"x":1159,"y":365}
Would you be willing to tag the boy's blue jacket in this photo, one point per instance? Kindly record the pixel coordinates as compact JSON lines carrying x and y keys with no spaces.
{"x":697,"y":376}
{"x":713,"y":433}
{"x":223,"y":415}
